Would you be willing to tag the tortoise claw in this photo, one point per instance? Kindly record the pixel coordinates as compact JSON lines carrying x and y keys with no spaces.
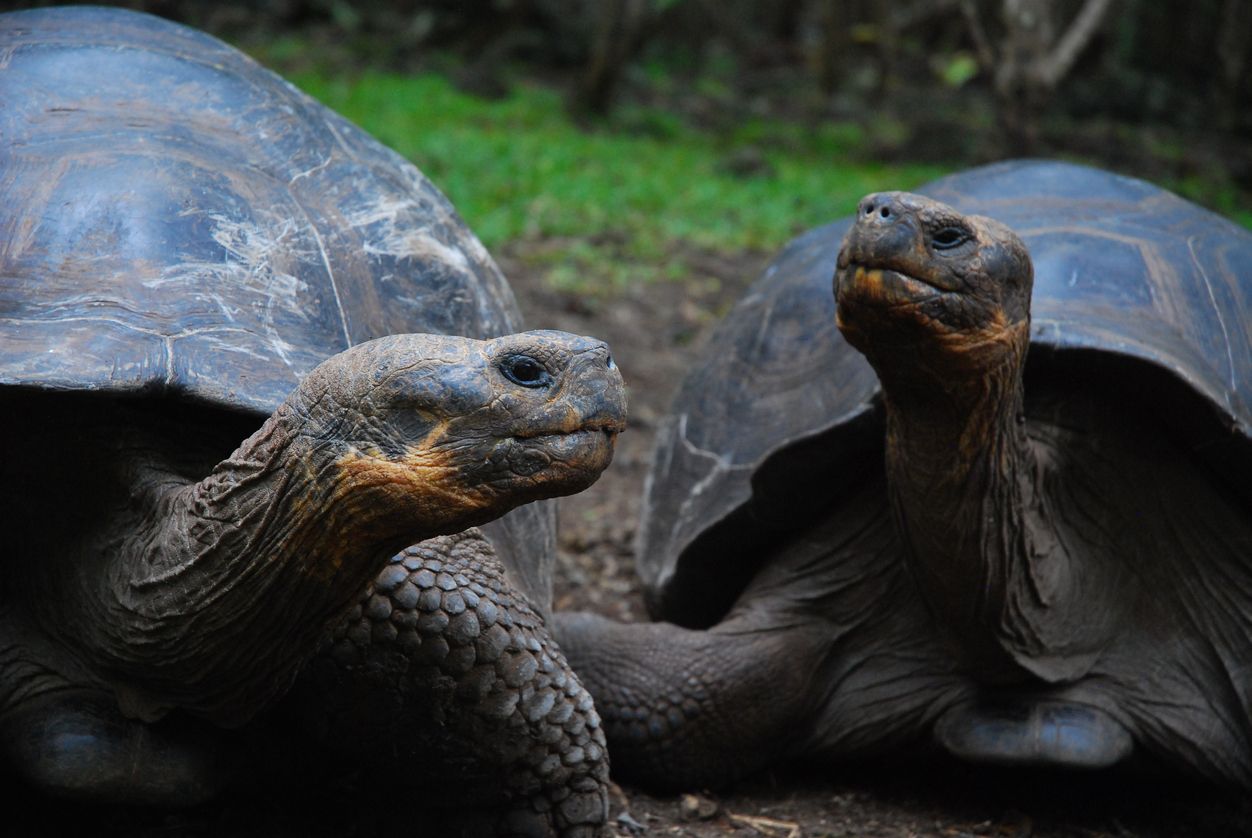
{"x":1034,"y":732}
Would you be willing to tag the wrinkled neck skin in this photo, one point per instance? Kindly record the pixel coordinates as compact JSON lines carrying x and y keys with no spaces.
{"x":227,"y":585}
{"x":292,"y":501}
{"x":963,"y":480}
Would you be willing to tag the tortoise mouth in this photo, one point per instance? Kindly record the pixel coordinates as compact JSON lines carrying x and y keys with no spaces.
{"x":570,"y":461}
{"x":588,"y":447}
{"x":570,"y":440}
{"x":609,"y":427}
{"x":591,"y":435}
{"x":889,"y":287}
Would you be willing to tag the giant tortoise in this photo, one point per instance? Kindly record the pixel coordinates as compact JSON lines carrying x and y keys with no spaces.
{"x":189,"y":246}
{"x":943,"y":506}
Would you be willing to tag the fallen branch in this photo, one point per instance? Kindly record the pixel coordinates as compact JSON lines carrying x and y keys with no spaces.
{"x":787,"y":829}
{"x":1080,"y":31}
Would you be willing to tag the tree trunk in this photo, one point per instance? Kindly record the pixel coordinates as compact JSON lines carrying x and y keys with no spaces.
{"x":618,"y":23}
{"x":834,"y":22}
{"x":1032,"y":60}
{"x":1234,"y":40}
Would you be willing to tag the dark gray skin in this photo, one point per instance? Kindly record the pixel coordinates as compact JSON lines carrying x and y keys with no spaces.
{"x":167,"y":595}
{"x":186,"y":238}
{"x":1026,"y":575}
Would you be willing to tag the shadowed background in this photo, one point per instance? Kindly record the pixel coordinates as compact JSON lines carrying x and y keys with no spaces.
{"x":633,"y":164}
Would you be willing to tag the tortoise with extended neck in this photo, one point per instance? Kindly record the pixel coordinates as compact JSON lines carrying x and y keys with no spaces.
{"x":1049,"y":562}
{"x":190,"y":246}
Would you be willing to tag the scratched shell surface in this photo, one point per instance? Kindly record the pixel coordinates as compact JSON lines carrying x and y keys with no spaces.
{"x":178,"y":218}
{"x":1121,"y":268}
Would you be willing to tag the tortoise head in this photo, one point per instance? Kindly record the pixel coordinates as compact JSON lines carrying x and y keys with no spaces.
{"x":921,"y":287}
{"x":466,"y":428}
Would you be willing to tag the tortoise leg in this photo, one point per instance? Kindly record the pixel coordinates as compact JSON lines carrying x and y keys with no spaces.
{"x":446,"y":677}
{"x":694,"y":709}
{"x":79,"y":746}
{"x":828,"y":653}
{"x":73,"y":741}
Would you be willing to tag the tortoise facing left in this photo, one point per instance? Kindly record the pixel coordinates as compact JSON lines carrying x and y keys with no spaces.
{"x":188,"y":247}
{"x":993,"y":494}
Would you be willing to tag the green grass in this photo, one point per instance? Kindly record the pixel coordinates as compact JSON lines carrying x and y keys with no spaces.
{"x":625,"y":193}
{"x":620,"y":202}
{"x":1215,"y":193}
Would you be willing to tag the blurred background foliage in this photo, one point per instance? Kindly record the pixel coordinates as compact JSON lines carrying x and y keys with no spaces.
{"x":614,"y":138}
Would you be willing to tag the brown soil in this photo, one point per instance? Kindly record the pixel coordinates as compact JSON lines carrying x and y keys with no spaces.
{"x":654,"y":330}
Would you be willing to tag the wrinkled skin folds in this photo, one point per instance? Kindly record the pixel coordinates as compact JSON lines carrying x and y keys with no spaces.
{"x":1015,"y":580}
{"x":194,"y":595}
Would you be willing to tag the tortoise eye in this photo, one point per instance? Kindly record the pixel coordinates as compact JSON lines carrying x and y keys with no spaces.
{"x":949,"y":238}
{"x":526,"y":371}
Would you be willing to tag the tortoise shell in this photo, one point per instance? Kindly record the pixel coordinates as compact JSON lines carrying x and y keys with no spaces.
{"x":779,"y":416}
{"x":181,"y":222}
{"x":181,"y":219}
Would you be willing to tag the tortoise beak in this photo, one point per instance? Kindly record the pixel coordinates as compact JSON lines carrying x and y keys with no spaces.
{"x":592,"y":397}
{"x":600,"y":403}
{"x":888,"y":240}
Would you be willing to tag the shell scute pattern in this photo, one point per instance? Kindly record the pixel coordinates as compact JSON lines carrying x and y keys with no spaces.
{"x":182,"y":206}
{"x":1123,"y":270}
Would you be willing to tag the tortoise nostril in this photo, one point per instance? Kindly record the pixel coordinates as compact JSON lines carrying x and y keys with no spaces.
{"x":885,"y":212}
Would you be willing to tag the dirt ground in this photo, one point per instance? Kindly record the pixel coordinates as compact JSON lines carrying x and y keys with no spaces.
{"x":654,"y":330}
